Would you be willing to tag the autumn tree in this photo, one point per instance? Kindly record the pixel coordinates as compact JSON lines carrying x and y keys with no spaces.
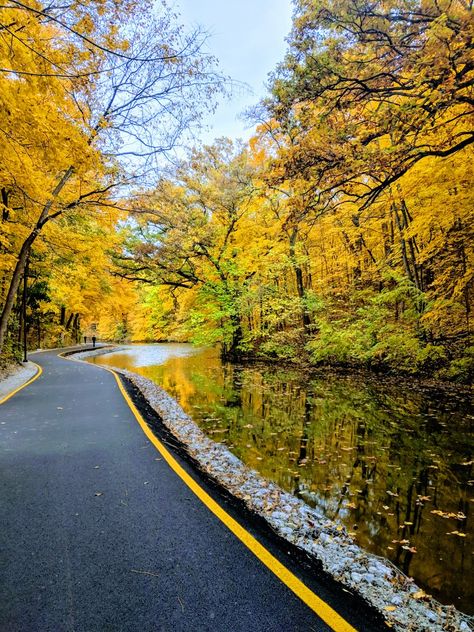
{"x":374,"y":89}
{"x":187,"y":236}
{"x":122,"y":81}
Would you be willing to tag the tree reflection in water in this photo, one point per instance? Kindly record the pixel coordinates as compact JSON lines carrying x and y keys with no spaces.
{"x":392,"y":461}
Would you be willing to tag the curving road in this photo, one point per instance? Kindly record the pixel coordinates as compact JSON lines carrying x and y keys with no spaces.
{"x":98,"y":533}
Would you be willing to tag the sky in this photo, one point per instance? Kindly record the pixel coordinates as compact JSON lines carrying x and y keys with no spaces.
{"x":248,"y":38}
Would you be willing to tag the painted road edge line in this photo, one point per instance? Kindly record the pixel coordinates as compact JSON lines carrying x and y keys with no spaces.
{"x":320,"y":607}
{"x":315,"y":603}
{"x":35,"y":377}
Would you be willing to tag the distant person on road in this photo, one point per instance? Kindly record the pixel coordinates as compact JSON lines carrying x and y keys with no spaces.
{"x":85,"y":340}
{"x":93,"y":341}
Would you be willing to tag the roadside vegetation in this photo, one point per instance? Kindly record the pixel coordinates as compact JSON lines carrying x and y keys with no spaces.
{"x":341,"y":233}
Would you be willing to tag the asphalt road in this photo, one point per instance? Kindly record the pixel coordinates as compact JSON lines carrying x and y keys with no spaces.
{"x":99,"y":534}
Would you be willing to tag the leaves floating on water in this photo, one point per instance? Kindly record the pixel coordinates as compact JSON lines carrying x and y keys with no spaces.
{"x":448,"y":514}
{"x":420,"y":500}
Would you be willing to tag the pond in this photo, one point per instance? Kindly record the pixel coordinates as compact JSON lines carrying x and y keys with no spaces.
{"x":392,"y":460}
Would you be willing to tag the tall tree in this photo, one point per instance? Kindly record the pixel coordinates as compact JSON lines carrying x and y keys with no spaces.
{"x":374,"y":88}
{"x":124,"y":82}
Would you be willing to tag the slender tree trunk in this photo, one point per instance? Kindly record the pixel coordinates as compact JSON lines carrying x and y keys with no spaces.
{"x":25,"y":298}
{"x":299,"y":279}
{"x":406,"y":263}
{"x":23,"y":255}
{"x":75,"y":328}
{"x":69,"y":321}
{"x":417,"y":269}
{"x":14,"y":285}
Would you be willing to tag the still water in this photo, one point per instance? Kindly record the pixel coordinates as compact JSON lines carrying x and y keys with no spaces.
{"x":392,"y":460}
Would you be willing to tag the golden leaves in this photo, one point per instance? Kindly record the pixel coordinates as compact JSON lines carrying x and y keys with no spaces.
{"x":458,"y":533}
{"x":449,"y":514}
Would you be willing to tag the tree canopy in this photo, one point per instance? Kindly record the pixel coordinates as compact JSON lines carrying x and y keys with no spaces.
{"x":93,"y":94}
{"x":342,"y":232}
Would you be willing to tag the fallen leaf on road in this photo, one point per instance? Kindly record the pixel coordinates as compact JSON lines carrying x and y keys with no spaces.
{"x":134,"y":570}
{"x":98,"y":494}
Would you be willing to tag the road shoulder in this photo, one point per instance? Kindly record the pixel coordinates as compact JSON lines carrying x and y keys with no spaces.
{"x":16,"y":379}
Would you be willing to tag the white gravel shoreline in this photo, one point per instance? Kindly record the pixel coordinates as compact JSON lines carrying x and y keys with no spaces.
{"x":19,"y":376}
{"x":403,"y":604}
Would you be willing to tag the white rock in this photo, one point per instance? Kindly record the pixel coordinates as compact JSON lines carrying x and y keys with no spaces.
{"x":313,"y":532}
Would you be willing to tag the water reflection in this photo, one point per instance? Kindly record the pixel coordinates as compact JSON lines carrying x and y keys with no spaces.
{"x":391,"y":462}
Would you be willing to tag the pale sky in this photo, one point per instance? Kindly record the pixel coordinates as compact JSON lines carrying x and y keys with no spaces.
{"x":248,"y":38}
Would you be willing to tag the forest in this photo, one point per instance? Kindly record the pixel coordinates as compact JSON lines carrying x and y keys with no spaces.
{"x":340,"y":234}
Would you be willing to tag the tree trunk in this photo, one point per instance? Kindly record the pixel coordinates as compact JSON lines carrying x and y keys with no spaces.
{"x":299,"y":280}
{"x":405,"y":261}
{"x":14,"y":284}
{"x":24,"y":252}
{"x":232,"y":352}
{"x":69,"y":321}
{"x":5,"y":209}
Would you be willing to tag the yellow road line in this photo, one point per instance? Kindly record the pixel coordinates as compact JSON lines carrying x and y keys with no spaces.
{"x":320,"y":607}
{"x":35,"y":377}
